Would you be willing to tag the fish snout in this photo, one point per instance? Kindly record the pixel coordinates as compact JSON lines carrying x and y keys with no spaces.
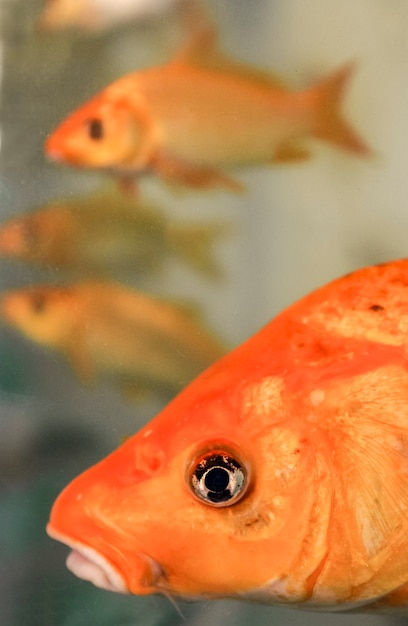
{"x":53,"y":150}
{"x":60,"y":147}
{"x":12,"y":240}
{"x":145,"y":576}
{"x":106,"y":550}
{"x":88,"y":564}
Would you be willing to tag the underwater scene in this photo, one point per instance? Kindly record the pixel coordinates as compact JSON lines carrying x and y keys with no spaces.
{"x":173,"y":175}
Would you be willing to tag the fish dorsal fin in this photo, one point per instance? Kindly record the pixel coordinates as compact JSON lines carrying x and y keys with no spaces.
{"x":201,"y":32}
{"x":202,"y":50}
{"x":201,"y":44}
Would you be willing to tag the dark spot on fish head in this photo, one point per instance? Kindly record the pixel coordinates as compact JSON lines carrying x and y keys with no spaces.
{"x":95,"y":128}
{"x":376,"y":308}
{"x":38,"y":302}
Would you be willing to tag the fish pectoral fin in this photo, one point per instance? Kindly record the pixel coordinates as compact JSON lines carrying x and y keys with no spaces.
{"x":175,"y":171}
{"x":290,"y":151}
{"x":128,"y":185}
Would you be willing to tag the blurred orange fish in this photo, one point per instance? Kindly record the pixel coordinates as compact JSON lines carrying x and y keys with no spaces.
{"x":280,"y":474}
{"x":187,"y":119}
{"x":108,"y":232}
{"x":138,"y":341}
{"x":96,"y":15}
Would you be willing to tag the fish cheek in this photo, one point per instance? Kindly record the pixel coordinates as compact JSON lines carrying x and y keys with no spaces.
{"x":201,"y":532}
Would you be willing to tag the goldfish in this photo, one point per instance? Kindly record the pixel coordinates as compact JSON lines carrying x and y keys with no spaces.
{"x":188,"y":119}
{"x":107,"y":232}
{"x":140,"y":342}
{"x":98,"y":15}
{"x":278,"y":475}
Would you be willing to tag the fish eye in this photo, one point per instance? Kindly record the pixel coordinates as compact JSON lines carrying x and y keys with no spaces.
{"x":95,"y":128}
{"x":38,"y":303}
{"x":218,"y":478}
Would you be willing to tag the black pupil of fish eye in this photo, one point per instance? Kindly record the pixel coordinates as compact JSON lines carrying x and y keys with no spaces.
{"x":95,"y":128}
{"x":217,"y":479}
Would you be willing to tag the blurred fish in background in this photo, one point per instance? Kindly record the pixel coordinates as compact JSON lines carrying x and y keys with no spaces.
{"x":141,"y":342}
{"x":97,"y":15}
{"x":185,"y":121}
{"x":108,"y":232}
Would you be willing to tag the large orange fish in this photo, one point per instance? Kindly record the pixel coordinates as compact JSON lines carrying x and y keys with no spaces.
{"x":190,"y":118}
{"x":280,"y":474}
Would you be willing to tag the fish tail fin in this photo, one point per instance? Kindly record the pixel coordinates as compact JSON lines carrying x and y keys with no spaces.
{"x":195,"y":245}
{"x":330,"y":123}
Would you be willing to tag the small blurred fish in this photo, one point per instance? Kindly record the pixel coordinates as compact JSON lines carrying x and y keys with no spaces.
{"x":279,"y":475}
{"x":98,"y":15}
{"x":139,"y":341}
{"x":108,"y":232}
{"x":198,"y":113}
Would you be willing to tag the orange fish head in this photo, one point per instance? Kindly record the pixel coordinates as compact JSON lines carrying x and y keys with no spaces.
{"x":200,"y":503}
{"x":104,"y":133}
{"x":44,"y":314}
{"x":15,"y":238}
{"x":279,"y":474}
{"x":32,"y":236}
{"x":64,"y":13}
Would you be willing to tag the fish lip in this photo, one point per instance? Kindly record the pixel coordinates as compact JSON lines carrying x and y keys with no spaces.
{"x":54,"y":154}
{"x":87,"y":563}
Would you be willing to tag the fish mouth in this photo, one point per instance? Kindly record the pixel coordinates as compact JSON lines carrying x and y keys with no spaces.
{"x":88,"y":564}
{"x":54,"y":154}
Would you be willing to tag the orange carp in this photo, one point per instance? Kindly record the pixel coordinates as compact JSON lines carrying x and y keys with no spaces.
{"x":107,"y":233}
{"x":190,"y":118}
{"x":134,"y":339}
{"x":279,"y":474}
{"x":96,"y":15}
